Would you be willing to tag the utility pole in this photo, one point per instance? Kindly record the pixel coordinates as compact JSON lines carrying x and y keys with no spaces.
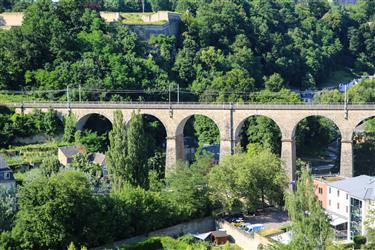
{"x":346,"y":102}
{"x":169,"y":94}
{"x":178,"y":93}
{"x":67,"y":94}
{"x":143,"y":6}
{"x":170,"y":104}
{"x":67,"y":98}
{"x":79,"y":93}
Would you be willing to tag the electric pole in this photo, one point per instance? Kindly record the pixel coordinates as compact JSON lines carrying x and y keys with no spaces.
{"x":178,"y":93}
{"x":346,"y":101}
{"x":143,"y":6}
{"x":79,"y":93}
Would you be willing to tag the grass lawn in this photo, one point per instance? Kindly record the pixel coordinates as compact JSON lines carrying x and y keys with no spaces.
{"x":342,"y":75}
{"x":136,"y":18}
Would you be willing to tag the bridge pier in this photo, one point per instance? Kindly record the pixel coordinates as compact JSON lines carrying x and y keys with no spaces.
{"x":174,"y":151}
{"x":346,"y":159}
{"x":288,"y":156}
{"x":225,"y":147}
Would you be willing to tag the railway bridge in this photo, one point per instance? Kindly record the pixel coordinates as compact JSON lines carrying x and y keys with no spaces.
{"x":229,"y":118}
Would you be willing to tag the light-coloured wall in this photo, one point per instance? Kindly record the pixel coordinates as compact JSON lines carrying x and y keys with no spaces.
{"x":242,"y":239}
{"x":11,"y":19}
{"x":195,"y":226}
{"x":110,"y":16}
{"x":62,"y":158}
{"x":321,"y":196}
{"x":343,"y":199}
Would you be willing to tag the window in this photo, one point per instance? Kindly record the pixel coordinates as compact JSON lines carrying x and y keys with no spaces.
{"x":320,"y":190}
{"x":329,"y":202}
{"x":338,"y":205}
{"x":346,"y":209}
{"x":329,"y":190}
{"x":338,"y":193}
{"x":347,"y":196}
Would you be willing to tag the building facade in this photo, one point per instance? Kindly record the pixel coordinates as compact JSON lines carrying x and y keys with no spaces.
{"x":7,"y":180}
{"x":348,"y":203}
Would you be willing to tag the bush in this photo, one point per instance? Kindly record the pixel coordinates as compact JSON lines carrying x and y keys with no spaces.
{"x":359,"y":240}
{"x":148,"y":244}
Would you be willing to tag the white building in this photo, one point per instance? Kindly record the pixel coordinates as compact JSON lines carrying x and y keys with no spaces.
{"x":6,"y":175}
{"x":349,"y":201}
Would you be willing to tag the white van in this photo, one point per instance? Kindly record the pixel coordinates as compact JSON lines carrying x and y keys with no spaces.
{"x":253,"y":228}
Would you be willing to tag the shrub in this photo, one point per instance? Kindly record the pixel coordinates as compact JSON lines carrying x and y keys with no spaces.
{"x":359,"y":240}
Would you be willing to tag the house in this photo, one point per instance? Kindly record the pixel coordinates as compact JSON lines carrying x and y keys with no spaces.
{"x":352,"y":198}
{"x":99,"y":158}
{"x":348,"y":202}
{"x":216,"y":237}
{"x":320,"y":187}
{"x":6,"y":175}
{"x":219,"y":237}
{"x":66,"y":154}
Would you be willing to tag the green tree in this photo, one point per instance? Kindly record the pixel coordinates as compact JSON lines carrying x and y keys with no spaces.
{"x":51,"y":122}
{"x":116,"y":156}
{"x":310,"y":224}
{"x":69,"y":128}
{"x":137,"y":151}
{"x":257,"y":178}
{"x":187,"y":188}
{"x":7,"y":208}
{"x":50,"y":166}
{"x":206,"y":130}
{"x":274,"y":82}
{"x":55,"y":211}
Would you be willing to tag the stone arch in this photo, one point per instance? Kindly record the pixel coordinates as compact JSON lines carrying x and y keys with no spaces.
{"x":238,"y":128}
{"x":81,"y":120}
{"x":341,"y":130}
{"x":182,"y":122}
{"x":179,"y":132}
{"x":158,"y":117}
{"x":359,"y":122}
{"x":327,"y":162}
{"x":363,"y":146}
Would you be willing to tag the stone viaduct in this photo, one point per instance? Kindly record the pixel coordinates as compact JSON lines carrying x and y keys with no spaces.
{"x":229,"y":118}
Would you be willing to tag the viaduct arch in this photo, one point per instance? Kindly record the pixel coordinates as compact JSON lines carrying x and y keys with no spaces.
{"x":229,"y":118}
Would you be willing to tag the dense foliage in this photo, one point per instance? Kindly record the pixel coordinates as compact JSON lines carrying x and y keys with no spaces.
{"x":246,"y":181}
{"x":227,"y":51}
{"x":13,"y":125}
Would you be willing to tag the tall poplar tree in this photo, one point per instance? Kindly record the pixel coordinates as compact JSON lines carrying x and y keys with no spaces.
{"x":137,"y":151}
{"x":69,"y":127}
{"x":310,"y":225}
{"x":116,"y":156}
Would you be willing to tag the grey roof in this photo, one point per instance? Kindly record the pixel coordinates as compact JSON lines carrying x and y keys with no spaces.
{"x":361,"y":187}
{"x":71,"y":151}
{"x":97,"y":158}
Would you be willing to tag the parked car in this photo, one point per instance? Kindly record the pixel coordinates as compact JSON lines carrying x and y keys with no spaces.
{"x":253,"y":228}
{"x":243,"y":226}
